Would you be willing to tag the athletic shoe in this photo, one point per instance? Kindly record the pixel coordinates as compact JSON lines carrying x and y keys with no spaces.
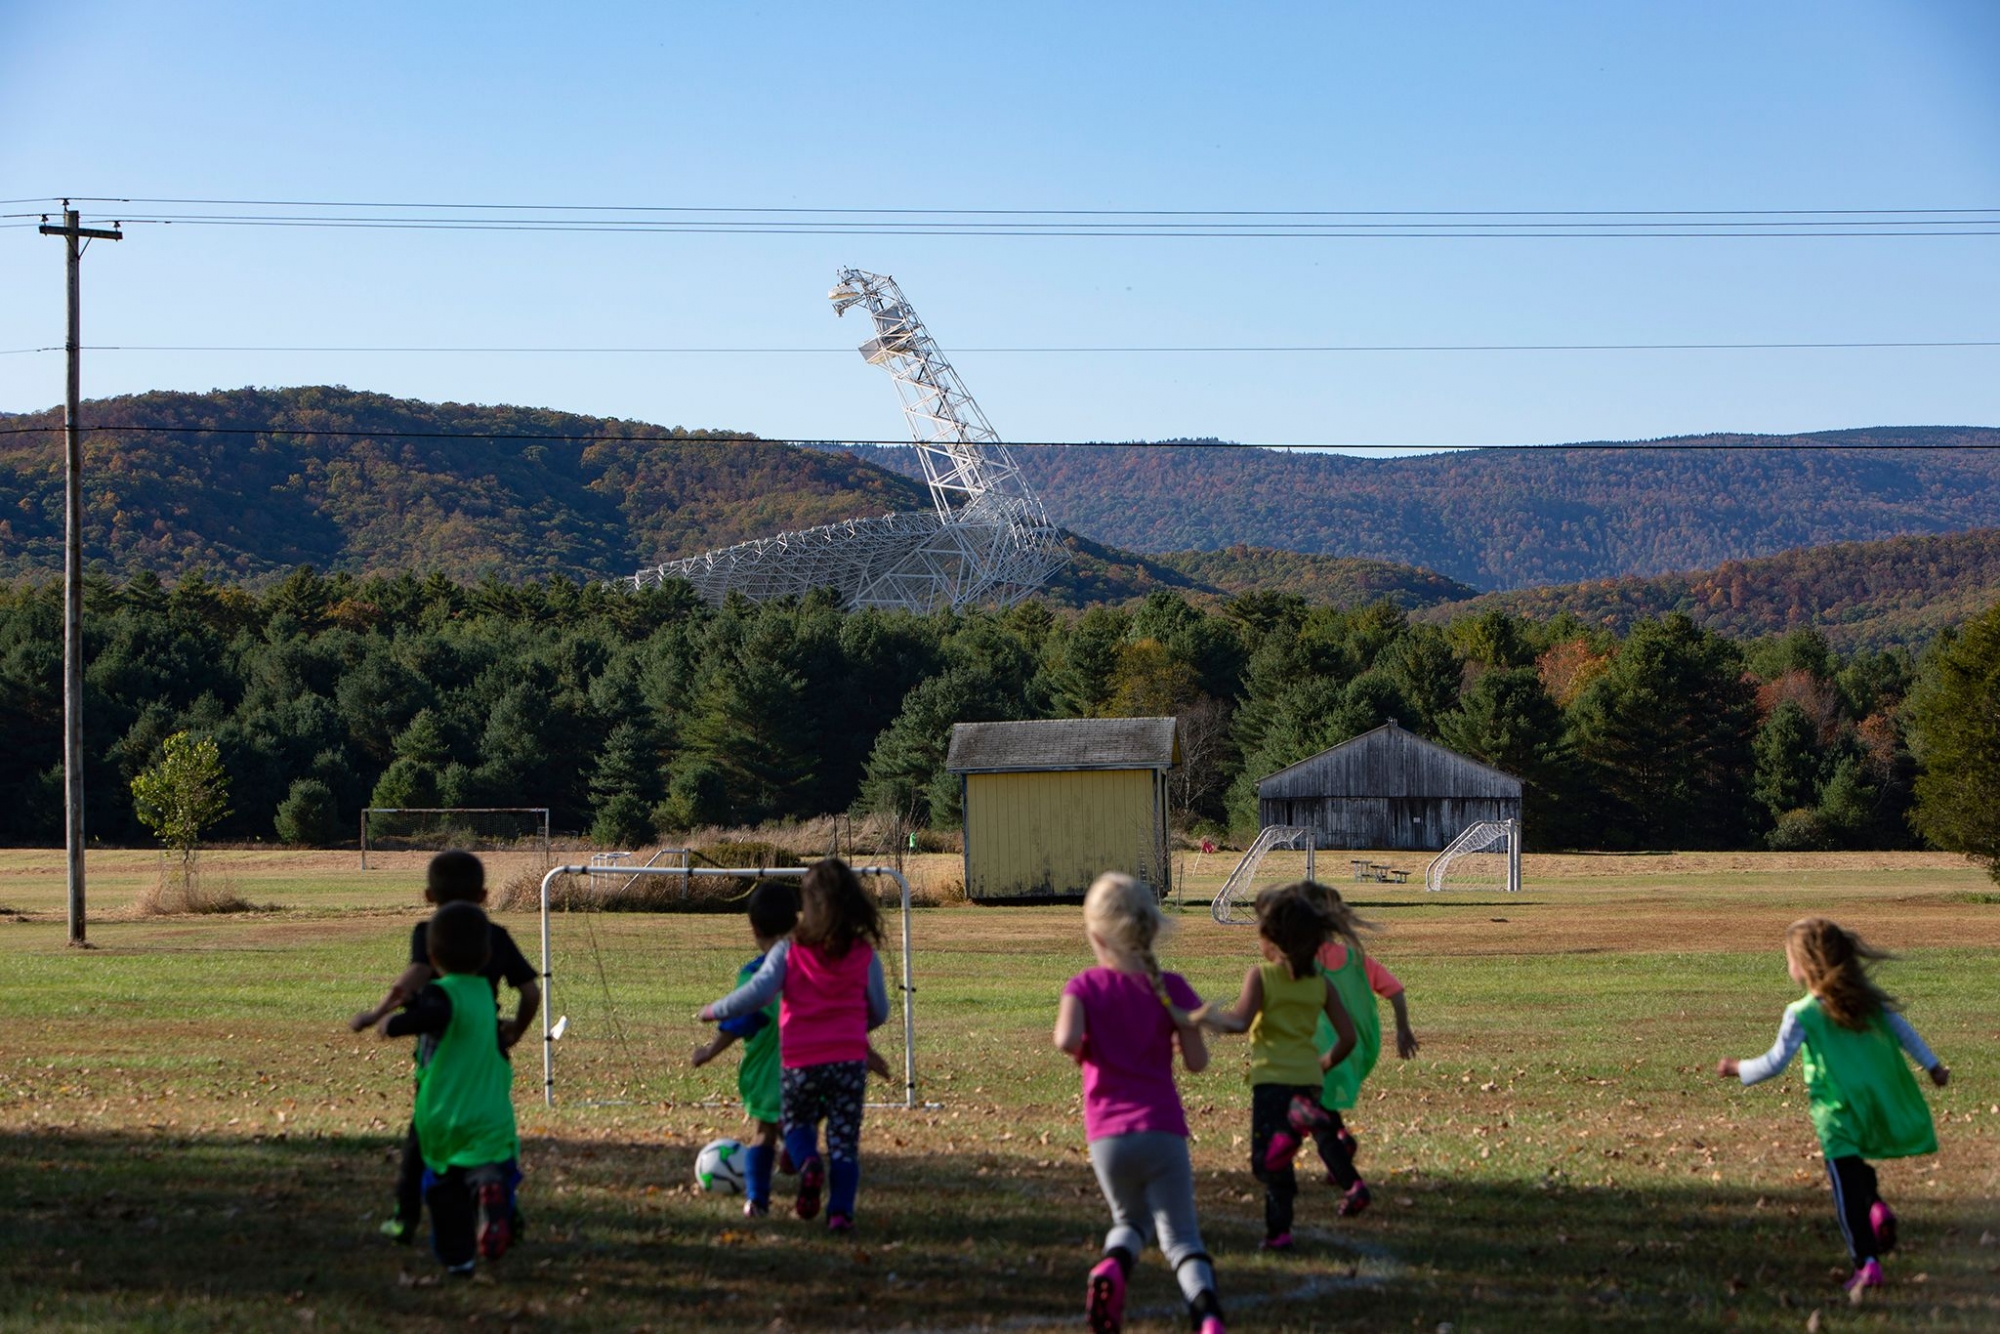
{"x":398,"y":1231}
{"x":1868,"y":1276}
{"x":1104,"y":1306}
{"x":496,"y":1230}
{"x":1305,"y":1115}
{"x":1356,"y":1199}
{"x":1278,"y":1154}
{"x":1882,"y":1219}
{"x":812,"y":1175}
{"x":1211,"y":1325}
{"x":1281,"y":1242}
{"x":839,"y":1223}
{"x":752,"y":1209}
{"x":460,"y":1271}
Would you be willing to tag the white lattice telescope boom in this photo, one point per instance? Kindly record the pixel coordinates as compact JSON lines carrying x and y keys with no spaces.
{"x":988,"y":539}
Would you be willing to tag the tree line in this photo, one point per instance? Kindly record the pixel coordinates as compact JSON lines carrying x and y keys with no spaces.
{"x":634,"y":714}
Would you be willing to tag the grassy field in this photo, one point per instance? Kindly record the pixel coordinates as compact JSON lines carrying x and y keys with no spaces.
{"x":190,"y":1138}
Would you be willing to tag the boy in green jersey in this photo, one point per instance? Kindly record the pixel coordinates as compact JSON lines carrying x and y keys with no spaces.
{"x":465,"y":1107}
{"x":774,"y":911}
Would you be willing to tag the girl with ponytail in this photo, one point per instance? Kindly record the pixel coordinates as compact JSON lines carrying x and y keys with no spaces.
{"x":1122,"y":1021}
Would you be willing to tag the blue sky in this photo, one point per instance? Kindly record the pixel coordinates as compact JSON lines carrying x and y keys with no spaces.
{"x":1455,"y":106}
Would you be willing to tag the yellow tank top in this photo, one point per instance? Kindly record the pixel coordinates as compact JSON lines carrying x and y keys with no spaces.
{"x":1281,"y":1036}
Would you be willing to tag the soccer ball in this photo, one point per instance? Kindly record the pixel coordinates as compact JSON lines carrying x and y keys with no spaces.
{"x":719,"y":1167}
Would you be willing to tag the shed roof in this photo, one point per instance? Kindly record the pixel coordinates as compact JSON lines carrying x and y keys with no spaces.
{"x":1064,"y":743}
{"x":1388,"y":762}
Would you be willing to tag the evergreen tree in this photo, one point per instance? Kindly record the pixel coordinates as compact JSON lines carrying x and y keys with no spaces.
{"x":1507,"y":720}
{"x":624,"y":787}
{"x":1789,"y":761}
{"x":1954,"y":716}
{"x":1666,"y":733}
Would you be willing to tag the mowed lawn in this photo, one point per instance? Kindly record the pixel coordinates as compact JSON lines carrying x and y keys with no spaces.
{"x":191,"y":1139}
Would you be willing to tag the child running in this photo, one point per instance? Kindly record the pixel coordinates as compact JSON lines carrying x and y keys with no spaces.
{"x":452,"y":877}
{"x":828,"y":980}
{"x":1359,"y":978}
{"x":1864,"y":1103}
{"x":1282,"y":1001}
{"x":1120,"y":1021}
{"x":465,"y":1108}
{"x":774,"y":910}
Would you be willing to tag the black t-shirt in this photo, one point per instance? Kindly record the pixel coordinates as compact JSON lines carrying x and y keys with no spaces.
{"x":504,"y":961}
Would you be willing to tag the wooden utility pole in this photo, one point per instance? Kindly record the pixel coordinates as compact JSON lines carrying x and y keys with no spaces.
{"x":75,"y":234}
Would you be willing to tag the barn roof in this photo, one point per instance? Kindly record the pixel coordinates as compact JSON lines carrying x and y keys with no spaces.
{"x":1064,"y":743}
{"x":1388,"y":762}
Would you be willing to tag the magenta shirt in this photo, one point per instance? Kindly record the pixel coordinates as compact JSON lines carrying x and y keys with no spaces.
{"x":1128,"y":1053}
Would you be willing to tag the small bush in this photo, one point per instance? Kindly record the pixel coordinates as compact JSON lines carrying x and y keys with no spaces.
{"x":306,"y":817}
{"x":1801,"y":831}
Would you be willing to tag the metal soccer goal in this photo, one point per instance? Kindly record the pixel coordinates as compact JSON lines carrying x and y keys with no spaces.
{"x":1232,"y":904}
{"x":1486,"y":855}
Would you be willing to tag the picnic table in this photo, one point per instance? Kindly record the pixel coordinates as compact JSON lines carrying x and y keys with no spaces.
{"x":1380,"y":872}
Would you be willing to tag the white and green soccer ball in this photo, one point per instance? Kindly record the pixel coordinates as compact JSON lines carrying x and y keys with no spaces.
{"x":719,"y":1167}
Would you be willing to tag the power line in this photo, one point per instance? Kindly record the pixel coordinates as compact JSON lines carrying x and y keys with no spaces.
{"x":1787,"y":444}
{"x":1134,"y":349}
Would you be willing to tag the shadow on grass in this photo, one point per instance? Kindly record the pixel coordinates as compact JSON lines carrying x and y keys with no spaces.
{"x":126,"y":1231}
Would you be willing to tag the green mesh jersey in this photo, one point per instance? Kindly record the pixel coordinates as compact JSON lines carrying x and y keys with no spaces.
{"x":1864,"y":1099}
{"x":1342,"y":1085}
{"x":758,"y":1078}
{"x":465,"y":1105}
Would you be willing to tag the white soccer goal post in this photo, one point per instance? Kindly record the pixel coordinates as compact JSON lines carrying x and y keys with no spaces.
{"x":1486,"y":855}
{"x":451,"y":836}
{"x":1232,"y":902}
{"x":550,"y":1024}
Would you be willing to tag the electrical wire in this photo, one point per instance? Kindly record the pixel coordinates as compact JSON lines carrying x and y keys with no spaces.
{"x":1785,"y":444}
{"x":1135,"y":349}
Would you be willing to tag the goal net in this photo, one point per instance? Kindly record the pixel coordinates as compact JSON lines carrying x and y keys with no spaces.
{"x":516,"y":832}
{"x":625,"y":972}
{"x":1280,"y":854}
{"x":1485,"y":856}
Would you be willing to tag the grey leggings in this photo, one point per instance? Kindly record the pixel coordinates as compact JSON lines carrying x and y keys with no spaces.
{"x":1149,"y":1184}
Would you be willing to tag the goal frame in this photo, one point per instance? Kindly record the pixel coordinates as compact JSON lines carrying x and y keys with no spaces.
{"x":1269,"y":839}
{"x":1462,"y":846}
{"x":758,"y":872}
{"x":367,"y":811}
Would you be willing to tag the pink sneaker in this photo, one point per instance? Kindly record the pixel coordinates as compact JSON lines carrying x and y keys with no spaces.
{"x":1212,"y":1325}
{"x":1356,"y":1199}
{"x":839,"y":1223}
{"x":812,"y":1175}
{"x":1104,"y":1304}
{"x":1278,"y":1154}
{"x":1868,"y":1276}
{"x":1282,"y":1242}
{"x":1882,"y":1221}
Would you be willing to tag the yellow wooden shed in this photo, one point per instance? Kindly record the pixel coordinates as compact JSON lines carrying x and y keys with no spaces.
{"x":1051,"y":805}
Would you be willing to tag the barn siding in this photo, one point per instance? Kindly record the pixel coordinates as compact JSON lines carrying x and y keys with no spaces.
{"x":1387,"y":789}
{"x":1034,"y":834}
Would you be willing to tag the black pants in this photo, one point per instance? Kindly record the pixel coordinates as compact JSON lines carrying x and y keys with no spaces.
{"x":1270,"y":1107}
{"x":1853,"y":1193}
{"x":1333,"y":1151}
{"x":410,"y":1182}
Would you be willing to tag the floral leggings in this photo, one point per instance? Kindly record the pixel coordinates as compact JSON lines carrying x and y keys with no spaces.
{"x":834,"y":1093}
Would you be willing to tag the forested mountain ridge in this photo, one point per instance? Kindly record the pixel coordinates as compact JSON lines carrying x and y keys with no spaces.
{"x":1515,"y":518}
{"x":1901,"y":590}
{"x":239,"y":484}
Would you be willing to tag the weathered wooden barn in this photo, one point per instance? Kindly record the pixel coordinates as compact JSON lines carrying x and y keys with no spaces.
{"x":1387,"y":789}
{"x":1050,"y":805}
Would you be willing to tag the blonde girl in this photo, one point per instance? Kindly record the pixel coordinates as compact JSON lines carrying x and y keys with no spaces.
{"x":1121,"y":1021}
{"x":1864,"y":1102}
{"x":1282,"y":1003}
{"x":1359,"y":978}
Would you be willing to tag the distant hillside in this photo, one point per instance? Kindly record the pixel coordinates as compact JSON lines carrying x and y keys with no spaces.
{"x":1098,"y":573}
{"x":1520,"y":517}
{"x":1861,"y":594}
{"x":379,"y":495}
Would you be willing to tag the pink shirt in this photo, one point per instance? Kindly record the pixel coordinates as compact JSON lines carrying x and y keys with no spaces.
{"x":1333,"y":957}
{"x":1128,"y":1053}
{"x":824,"y":1017}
